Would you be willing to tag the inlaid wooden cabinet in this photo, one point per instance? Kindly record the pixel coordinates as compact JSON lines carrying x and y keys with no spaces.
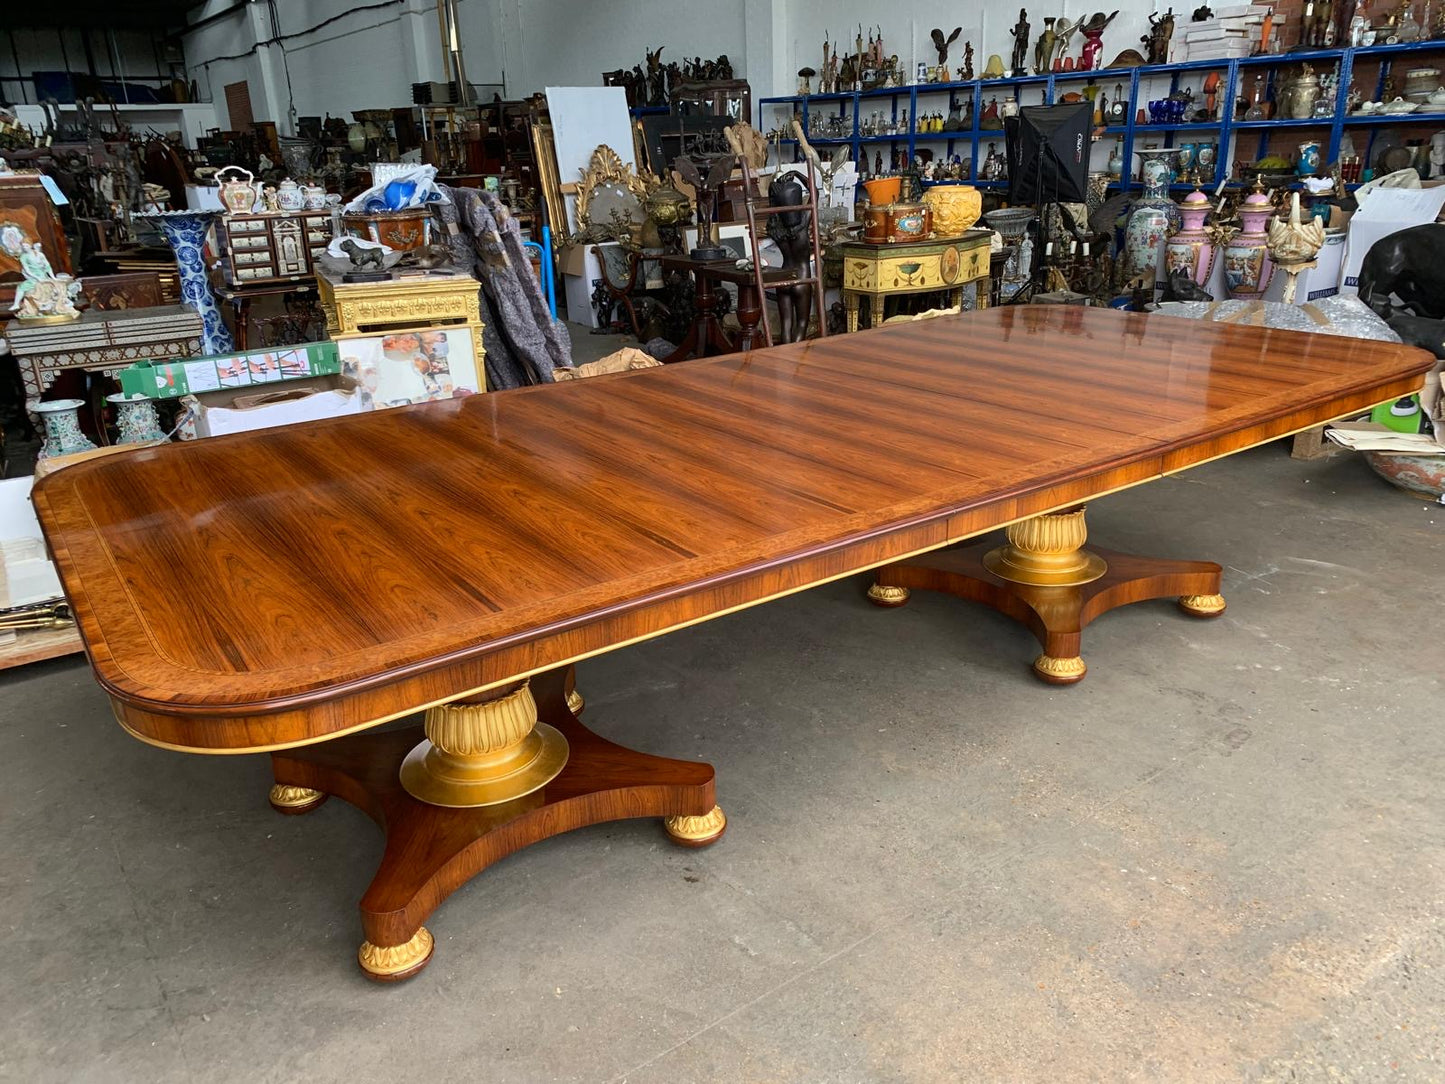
{"x":273,"y":246}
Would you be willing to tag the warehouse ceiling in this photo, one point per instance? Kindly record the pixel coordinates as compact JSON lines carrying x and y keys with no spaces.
{"x":158,"y":15}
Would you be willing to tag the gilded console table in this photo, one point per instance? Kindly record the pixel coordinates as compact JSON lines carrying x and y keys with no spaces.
{"x":461,"y":555}
{"x":365,"y":318}
{"x":874,"y":273}
{"x":403,"y":299}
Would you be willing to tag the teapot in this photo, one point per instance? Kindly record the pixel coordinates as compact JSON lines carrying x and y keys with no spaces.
{"x":289,"y":196}
{"x":237,"y":196}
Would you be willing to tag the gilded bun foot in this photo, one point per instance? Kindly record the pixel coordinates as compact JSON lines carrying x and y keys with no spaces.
{"x":1202,"y":605}
{"x":575,"y":703}
{"x":697,"y":831}
{"x":883,"y":595}
{"x":294,"y":800}
{"x":1058,"y":671}
{"x":393,"y":963}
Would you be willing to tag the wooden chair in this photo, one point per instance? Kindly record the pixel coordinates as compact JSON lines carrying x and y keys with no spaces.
{"x":620,"y":269}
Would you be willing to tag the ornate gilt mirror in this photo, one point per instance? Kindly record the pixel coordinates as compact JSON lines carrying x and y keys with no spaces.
{"x":610,"y":198}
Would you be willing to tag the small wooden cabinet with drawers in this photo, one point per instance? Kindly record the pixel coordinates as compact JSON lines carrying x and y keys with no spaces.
{"x":274,"y":246}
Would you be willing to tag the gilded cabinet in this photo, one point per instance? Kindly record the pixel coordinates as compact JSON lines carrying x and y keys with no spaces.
{"x":874,"y":272}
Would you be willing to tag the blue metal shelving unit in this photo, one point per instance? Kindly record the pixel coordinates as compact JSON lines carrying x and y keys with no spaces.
{"x":930,"y":97}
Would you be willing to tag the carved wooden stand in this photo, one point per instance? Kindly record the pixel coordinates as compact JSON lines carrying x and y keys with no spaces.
{"x":1046,"y":579}
{"x":432,"y":850}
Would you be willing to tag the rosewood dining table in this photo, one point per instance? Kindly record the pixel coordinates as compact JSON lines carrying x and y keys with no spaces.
{"x":286,"y":591}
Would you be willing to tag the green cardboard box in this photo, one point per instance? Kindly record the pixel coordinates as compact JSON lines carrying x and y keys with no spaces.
{"x":249,"y":368}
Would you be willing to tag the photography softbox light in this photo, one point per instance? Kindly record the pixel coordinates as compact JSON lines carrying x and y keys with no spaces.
{"x":1048,"y":153}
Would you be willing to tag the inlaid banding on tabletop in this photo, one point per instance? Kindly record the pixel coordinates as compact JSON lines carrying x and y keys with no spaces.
{"x":449,"y":546}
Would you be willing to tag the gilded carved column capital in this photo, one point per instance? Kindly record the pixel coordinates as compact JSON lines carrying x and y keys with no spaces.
{"x":1047,"y":551}
{"x":1054,"y":533}
{"x":484,"y":751}
{"x":480,"y":729}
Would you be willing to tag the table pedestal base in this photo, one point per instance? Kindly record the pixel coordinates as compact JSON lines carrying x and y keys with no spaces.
{"x":1050,"y":548}
{"x":433,"y":850}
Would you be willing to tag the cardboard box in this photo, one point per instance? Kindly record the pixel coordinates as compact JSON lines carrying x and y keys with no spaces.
{"x":581,"y":272}
{"x":192,"y":376}
{"x":1382,"y":212}
{"x":26,"y":574}
{"x":219,"y":413}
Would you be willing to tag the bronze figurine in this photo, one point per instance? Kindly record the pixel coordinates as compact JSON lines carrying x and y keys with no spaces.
{"x":1020,"y":32}
{"x":1161,"y":29}
{"x":942,"y":46}
{"x":1044,"y":47}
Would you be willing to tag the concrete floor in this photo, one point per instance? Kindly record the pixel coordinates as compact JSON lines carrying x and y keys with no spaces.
{"x":1222,"y":857}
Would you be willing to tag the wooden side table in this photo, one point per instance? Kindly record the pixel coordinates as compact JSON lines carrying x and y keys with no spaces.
{"x":876,"y":272}
{"x":240,"y":298}
{"x":707,"y":336}
{"x":100,"y":341}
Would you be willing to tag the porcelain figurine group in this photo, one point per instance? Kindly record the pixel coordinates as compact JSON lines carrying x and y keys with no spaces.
{"x":41,"y":294}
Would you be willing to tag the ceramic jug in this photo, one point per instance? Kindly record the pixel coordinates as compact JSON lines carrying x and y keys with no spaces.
{"x":1247,"y":266}
{"x":238,"y":196}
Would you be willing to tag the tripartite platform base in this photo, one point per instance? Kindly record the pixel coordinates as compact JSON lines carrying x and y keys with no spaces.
{"x":1049,"y":549}
{"x":431,"y":850}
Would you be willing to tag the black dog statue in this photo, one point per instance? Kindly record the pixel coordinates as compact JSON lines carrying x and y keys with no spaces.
{"x":362,"y":255}
{"x":1180,"y":287}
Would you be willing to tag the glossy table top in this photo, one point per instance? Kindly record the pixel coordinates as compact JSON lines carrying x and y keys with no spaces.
{"x":282,"y":586}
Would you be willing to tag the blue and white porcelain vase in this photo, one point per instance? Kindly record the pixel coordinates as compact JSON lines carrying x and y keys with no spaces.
{"x":136,"y":418}
{"x":1153,"y":218}
{"x":186,"y":233}
{"x":61,"y":419}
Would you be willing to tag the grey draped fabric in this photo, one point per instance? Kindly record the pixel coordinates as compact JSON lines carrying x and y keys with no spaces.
{"x":523,"y":343}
